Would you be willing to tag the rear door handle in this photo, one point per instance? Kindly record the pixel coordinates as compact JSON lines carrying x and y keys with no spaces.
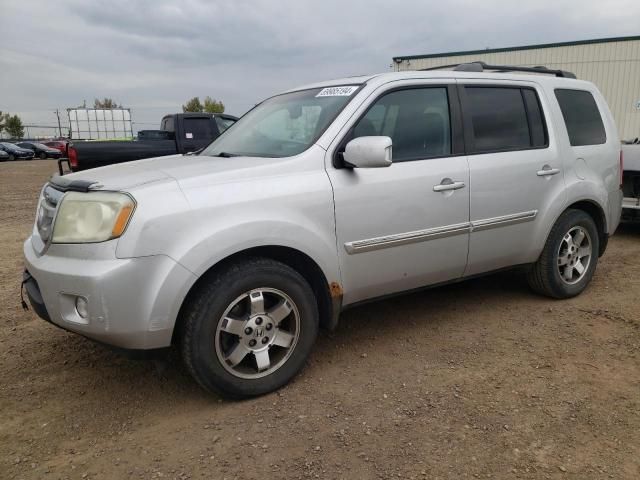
{"x":547,"y":171}
{"x":448,"y":184}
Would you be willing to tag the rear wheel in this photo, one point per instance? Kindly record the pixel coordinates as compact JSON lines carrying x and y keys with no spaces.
{"x":42,"y":156}
{"x":249,"y":329}
{"x":569,"y":258}
{"x":12,"y":157}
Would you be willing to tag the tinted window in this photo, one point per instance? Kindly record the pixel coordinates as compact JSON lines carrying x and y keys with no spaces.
{"x":167,"y":124}
{"x":498,"y":117}
{"x":417,"y":120}
{"x":223,"y":123}
{"x":198,"y":129}
{"x":537,"y":128}
{"x":582,"y":117}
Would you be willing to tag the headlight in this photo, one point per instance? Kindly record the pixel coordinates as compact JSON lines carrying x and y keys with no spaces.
{"x":92,"y":217}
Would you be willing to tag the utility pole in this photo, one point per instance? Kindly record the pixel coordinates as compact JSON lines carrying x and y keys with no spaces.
{"x":57,"y":112}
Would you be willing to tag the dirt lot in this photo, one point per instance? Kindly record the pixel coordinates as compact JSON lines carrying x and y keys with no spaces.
{"x":477,"y":380}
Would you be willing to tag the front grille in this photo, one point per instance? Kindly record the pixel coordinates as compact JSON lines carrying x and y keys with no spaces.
{"x":47,"y":212}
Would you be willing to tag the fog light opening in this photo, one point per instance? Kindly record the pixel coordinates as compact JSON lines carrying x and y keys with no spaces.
{"x":82,"y":307}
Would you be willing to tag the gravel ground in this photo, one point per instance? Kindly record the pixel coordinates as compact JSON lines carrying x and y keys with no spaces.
{"x":481,"y":379}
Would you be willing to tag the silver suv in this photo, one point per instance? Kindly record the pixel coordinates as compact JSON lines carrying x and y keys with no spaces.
{"x":322,"y":197}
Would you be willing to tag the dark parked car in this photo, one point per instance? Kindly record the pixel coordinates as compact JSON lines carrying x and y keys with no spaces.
{"x":179,"y":133}
{"x":41,"y":151}
{"x":3,"y":156}
{"x":15,"y":152}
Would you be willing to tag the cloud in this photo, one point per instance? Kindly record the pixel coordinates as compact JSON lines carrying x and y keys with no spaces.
{"x":153,"y":55}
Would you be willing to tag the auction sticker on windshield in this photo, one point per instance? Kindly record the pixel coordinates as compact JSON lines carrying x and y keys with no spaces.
{"x":337,"y":91}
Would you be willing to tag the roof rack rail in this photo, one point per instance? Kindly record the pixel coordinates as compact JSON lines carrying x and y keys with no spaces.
{"x":481,"y":66}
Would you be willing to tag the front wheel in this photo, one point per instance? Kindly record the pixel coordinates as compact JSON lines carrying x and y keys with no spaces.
{"x":42,"y":156}
{"x":569,"y":258}
{"x":12,"y":157}
{"x":250,"y":328}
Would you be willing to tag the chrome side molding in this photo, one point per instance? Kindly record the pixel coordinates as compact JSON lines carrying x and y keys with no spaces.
{"x":388,"y":241}
{"x":378,"y":243}
{"x":487,"y":223}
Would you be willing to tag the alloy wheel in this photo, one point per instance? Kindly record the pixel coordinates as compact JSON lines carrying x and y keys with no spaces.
{"x":257,"y":333}
{"x":574,"y":255}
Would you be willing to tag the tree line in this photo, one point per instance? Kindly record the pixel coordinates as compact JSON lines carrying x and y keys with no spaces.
{"x":210,"y":105}
{"x":11,"y":124}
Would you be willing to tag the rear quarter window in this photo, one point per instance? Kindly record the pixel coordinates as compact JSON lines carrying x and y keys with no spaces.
{"x":582,"y":117}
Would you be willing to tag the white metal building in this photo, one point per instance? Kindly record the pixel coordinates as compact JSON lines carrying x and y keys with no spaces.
{"x":613,"y":64}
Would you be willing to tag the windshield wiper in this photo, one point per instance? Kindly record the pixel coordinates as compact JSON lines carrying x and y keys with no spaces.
{"x":195,"y":152}
{"x":226,"y":155}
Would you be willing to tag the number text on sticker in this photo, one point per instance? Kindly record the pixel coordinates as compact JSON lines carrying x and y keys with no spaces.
{"x":337,"y":91}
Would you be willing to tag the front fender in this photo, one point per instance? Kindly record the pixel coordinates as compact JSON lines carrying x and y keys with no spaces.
{"x":212,"y":249}
{"x":199,"y":227}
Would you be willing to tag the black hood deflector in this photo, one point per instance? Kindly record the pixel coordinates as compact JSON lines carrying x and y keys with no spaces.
{"x":65,"y":184}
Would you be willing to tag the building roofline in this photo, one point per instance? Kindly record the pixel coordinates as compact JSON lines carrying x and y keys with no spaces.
{"x":400,"y":58}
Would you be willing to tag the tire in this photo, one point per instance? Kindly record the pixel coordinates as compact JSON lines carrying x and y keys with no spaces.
{"x":42,"y":156}
{"x":11,"y":157}
{"x":557,"y":272}
{"x":210,"y":334}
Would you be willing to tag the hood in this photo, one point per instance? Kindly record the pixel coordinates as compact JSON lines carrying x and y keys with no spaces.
{"x":180,"y":168}
{"x":124,"y":176}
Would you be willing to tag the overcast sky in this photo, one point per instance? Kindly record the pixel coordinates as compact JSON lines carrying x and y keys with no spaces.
{"x":152,"y":55}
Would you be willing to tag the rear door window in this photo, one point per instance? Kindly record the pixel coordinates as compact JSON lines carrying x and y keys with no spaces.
{"x":498,"y":119}
{"x":537,"y":129}
{"x":582,"y":117}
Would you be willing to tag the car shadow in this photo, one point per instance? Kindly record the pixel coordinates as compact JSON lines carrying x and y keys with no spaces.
{"x":161,"y":373}
{"x":628,"y":229}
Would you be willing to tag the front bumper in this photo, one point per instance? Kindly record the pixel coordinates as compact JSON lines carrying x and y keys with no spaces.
{"x":133,"y":303}
{"x":35,"y":297}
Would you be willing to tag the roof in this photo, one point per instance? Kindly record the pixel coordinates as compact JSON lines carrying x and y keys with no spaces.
{"x":355,"y":80}
{"x":376,"y":80}
{"x":523,"y":47}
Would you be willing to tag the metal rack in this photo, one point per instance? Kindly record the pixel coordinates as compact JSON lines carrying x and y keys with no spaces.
{"x":482,"y":66}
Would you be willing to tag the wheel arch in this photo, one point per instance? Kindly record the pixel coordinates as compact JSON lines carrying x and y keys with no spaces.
{"x":328,"y":295}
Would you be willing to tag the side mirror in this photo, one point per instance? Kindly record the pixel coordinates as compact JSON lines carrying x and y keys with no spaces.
{"x":368,"y":152}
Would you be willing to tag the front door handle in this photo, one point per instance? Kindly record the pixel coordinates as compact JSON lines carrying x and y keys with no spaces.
{"x":547,"y":171}
{"x":447,"y":184}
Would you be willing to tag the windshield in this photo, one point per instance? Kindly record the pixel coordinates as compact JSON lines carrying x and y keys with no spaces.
{"x":9,"y":146}
{"x":283,"y":125}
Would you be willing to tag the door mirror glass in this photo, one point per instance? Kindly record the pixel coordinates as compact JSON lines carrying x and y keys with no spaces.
{"x":368,"y":152}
